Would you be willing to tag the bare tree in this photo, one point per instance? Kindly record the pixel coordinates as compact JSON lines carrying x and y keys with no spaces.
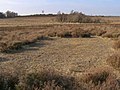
{"x":43,"y":11}
{"x":72,"y":11}
{"x":59,"y":12}
{"x":2,"y":15}
{"x":75,"y":17}
{"x":10,"y":14}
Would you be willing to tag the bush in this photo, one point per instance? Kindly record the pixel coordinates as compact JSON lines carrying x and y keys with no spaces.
{"x":46,"y":80}
{"x":71,"y":34}
{"x":52,"y":34}
{"x":43,"y":80}
{"x":65,"y":34}
{"x":101,"y":79}
{"x":2,"y":15}
{"x":76,"y":17}
{"x":52,"y":80}
{"x":11,"y":46}
{"x":111,"y":84}
{"x":81,"y":33}
{"x":97,"y":77}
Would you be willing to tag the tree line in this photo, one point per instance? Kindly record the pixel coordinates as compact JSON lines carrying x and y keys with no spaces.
{"x":8,"y":14}
{"x":76,"y":17}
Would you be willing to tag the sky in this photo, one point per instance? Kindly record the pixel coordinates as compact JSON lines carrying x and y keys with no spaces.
{"x":89,"y":7}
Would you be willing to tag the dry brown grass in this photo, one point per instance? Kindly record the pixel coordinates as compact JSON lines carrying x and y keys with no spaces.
{"x":16,"y":42}
{"x":14,"y":37}
{"x":116,"y":44}
{"x":98,"y":75}
{"x":54,"y":80}
{"x":114,"y":61}
{"x":112,"y":34}
{"x":76,"y":17}
{"x":101,"y":78}
{"x":49,"y":80}
{"x":11,"y":46}
{"x":26,"y":21}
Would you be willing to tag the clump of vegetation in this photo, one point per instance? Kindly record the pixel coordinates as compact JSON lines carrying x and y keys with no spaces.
{"x":2,"y":15}
{"x":112,"y":34}
{"x":111,"y":84}
{"x":101,"y":79}
{"x":74,"y":34}
{"x":52,"y":34}
{"x":10,"y":46}
{"x":114,"y":61}
{"x":43,"y":80}
{"x":116,"y":44}
{"x":76,"y":17}
{"x":71,"y":34}
{"x":47,"y":80}
{"x":65,"y":34}
{"x":98,"y":76}
{"x":81,"y":33}
{"x":97,"y":32}
{"x":8,"y":14}
{"x":8,"y":82}
{"x":54,"y":80}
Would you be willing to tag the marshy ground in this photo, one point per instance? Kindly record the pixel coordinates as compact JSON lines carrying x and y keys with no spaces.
{"x":39,"y":43}
{"x":65,"y":54}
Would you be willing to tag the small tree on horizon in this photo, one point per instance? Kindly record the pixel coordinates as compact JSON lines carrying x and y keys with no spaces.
{"x":2,"y":15}
{"x":10,"y":14}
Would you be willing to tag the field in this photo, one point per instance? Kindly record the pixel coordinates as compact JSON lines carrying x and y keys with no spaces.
{"x":39,"y":53}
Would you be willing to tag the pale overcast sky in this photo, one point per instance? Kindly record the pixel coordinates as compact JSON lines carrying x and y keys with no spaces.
{"x":91,"y":7}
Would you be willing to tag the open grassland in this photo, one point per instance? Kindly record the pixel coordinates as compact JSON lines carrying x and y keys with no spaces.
{"x":32,"y":21}
{"x":25,"y":21}
{"x":38,"y":53}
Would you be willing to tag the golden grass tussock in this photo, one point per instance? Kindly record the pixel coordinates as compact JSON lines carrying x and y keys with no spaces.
{"x":10,"y":46}
{"x":116,"y":44}
{"x":98,"y":75}
{"x":114,"y":61}
{"x":101,"y":78}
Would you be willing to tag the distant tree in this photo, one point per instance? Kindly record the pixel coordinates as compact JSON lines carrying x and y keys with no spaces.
{"x":75,"y":17}
{"x":10,"y":14}
{"x":72,"y":11}
{"x":59,"y":12}
{"x":2,"y":15}
{"x":43,"y":11}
